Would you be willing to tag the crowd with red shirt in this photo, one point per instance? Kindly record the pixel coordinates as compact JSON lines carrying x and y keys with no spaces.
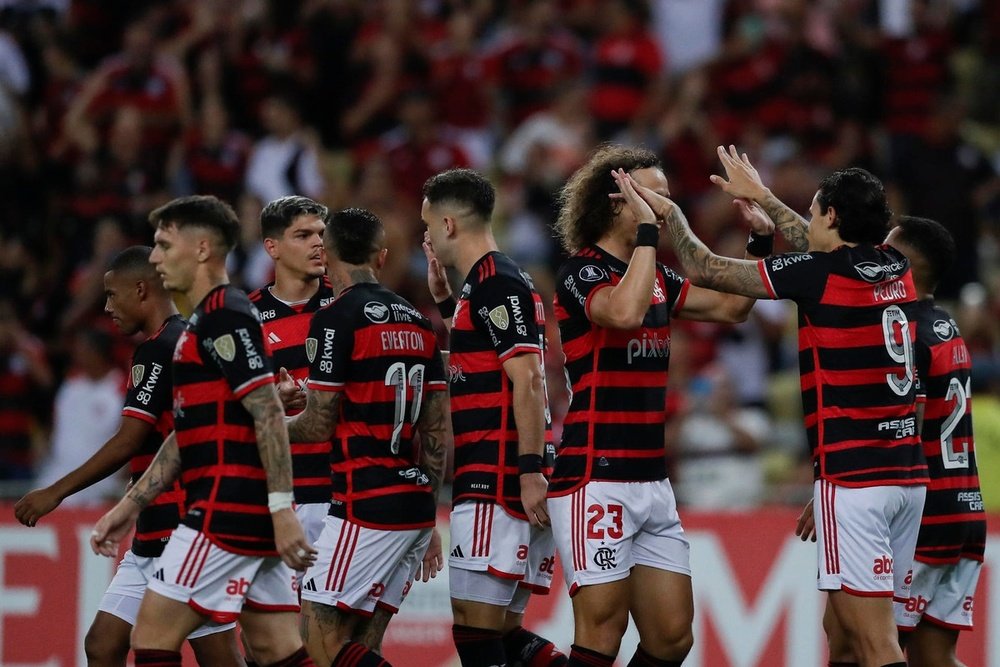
{"x":109,"y":108}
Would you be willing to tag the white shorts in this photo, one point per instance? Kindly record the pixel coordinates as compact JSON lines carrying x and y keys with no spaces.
{"x":940,"y":594}
{"x":866,"y":537}
{"x":485,"y":538}
{"x":312,"y":516}
{"x":358,"y":567}
{"x":125,"y":593}
{"x":604,"y":529}
{"x":217,"y":583}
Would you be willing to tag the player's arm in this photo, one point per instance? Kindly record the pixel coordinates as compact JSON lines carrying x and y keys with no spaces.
{"x":744,"y":182}
{"x":115,"y":453}
{"x":161,"y":474}
{"x":433,"y":424}
{"x":317,"y":421}
{"x":264,"y":406}
{"x":623,"y":306}
{"x":702,"y":266}
{"x":528,"y":401}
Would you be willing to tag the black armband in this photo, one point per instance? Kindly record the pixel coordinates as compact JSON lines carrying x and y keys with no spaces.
{"x":648,"y":234}
{"x":760,"y":245}
{"x":447,"y":307}
{"x":529,"y":463}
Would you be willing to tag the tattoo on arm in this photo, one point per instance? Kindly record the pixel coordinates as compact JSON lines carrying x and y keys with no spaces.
{"x":272,"y":436}
{"x":317,"y":421}
{"x":160,"y":475}
{"x":433,"y":425}
{"x":705,"y":268}
{"x":792,"y":225}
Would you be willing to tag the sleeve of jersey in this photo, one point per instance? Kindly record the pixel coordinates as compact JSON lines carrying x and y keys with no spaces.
{"x":331,"y":338}
{"x":505,"y":309}
{"x":677,"y":289}
{"x":578,"y":282}
{"x":435,"y":379}
{"x":922,"y":369}
{"x":237,"y":347}
{"x":148,"y":394}
{"x":794,"y":275}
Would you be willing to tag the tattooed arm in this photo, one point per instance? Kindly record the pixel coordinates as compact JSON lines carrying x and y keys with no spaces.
{"x":276,"y":456}
{"x":317,"y":421}
{"x":264,"y":406}
{"x":744,"y":182}
{"x":434,"y":426}
{"x":114,"y":526}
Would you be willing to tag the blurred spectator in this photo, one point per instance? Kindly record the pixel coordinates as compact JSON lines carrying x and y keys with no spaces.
{"x":285,"y":161}
{"x":25,"y":380}
{"x":626,"y":65}
{"x":212,"y":157}
{"x":689,"y":33}
{"x":717,"y":445}
{"x":86,"y":413}
{"x":533,"y":56}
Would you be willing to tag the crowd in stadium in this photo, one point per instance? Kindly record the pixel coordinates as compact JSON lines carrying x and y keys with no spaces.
{"x":109,"y":109}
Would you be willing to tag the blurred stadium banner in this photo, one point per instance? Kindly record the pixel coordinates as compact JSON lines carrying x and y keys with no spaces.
{"x":754,"y":582}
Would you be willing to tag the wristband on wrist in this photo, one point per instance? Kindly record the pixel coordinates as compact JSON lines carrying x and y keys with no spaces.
{"x":447,"y":307}
{"x":279,"y":500}
{"x":760,"y":245}
{"x":648,"y":234}
{"x":529,"y":463}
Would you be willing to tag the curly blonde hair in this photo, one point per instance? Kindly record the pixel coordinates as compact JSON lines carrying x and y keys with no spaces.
{"x":586,"y":211}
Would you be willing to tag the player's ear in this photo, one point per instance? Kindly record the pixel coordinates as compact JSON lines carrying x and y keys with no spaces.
{"x":271,"y":247}
{"x":141,"y":289}
{"x":380,"y":259}
{"x":450,"y":225}
{"x":831,"y":214}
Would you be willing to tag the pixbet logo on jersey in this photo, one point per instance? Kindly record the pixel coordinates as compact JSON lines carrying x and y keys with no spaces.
{"x":650,"y":346}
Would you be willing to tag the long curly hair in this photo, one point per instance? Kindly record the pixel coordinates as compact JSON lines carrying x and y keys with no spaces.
{"x":586,"y":211}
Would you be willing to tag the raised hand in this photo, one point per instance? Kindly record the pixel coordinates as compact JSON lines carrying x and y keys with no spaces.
{"x":751,"y":213}
{"x":630,"y":193}
{"x":437,"y":278}
{"x":744,"y":181}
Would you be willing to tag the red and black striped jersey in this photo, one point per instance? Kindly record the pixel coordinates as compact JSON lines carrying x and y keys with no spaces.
{"x":285,"y":329}
{"x":382,"y":353}
{"x":856,"y":361}
{"x":149,"y":397}
{"x":220,"y":358}
{"x":953,"y":525}
{"x":499,"y":315}
{"x":614,"y":429}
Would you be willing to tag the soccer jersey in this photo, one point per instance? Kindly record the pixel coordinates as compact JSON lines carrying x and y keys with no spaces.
{"x":499,"y":315}
{"x":953,"y":524}
{"x":614,"y":429}
{"x":149,"y":397}
{"x":285,"y":329}
{"x":856,"y":335}
{"x":220,"y":358}
{"x":381,"y":353}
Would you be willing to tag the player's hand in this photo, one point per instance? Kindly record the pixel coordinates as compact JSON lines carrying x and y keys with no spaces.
{"x":291,"y":393}
{"x":534,"y":488}
{"x":433,"y":560}
{"x":805,"y":527}
{"x":291,"y":542}
{"x":751,"y":212}
{"x":113,"y":527}
{"x":36,"y":504}
{"x":641,"y":208}
{"x":744,"y":181}
{"x":437,"y":277}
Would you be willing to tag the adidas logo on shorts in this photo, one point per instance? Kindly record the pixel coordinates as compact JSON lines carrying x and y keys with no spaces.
{"x":457,"y":552}
{"x":310,"y":585}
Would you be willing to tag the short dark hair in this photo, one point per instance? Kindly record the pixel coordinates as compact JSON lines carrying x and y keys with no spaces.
{"x":353,"y":235}
{"x":586,"y":211}
{"x":204,"y":211}
{"x":279,"y":214}
{"x":134,"y":259}
{"x":934,"y":243}
{"x":863,"y":212}
{"x":462,"y":186}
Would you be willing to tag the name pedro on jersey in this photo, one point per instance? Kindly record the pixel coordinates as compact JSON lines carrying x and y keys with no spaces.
{"x":404,"y":341}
